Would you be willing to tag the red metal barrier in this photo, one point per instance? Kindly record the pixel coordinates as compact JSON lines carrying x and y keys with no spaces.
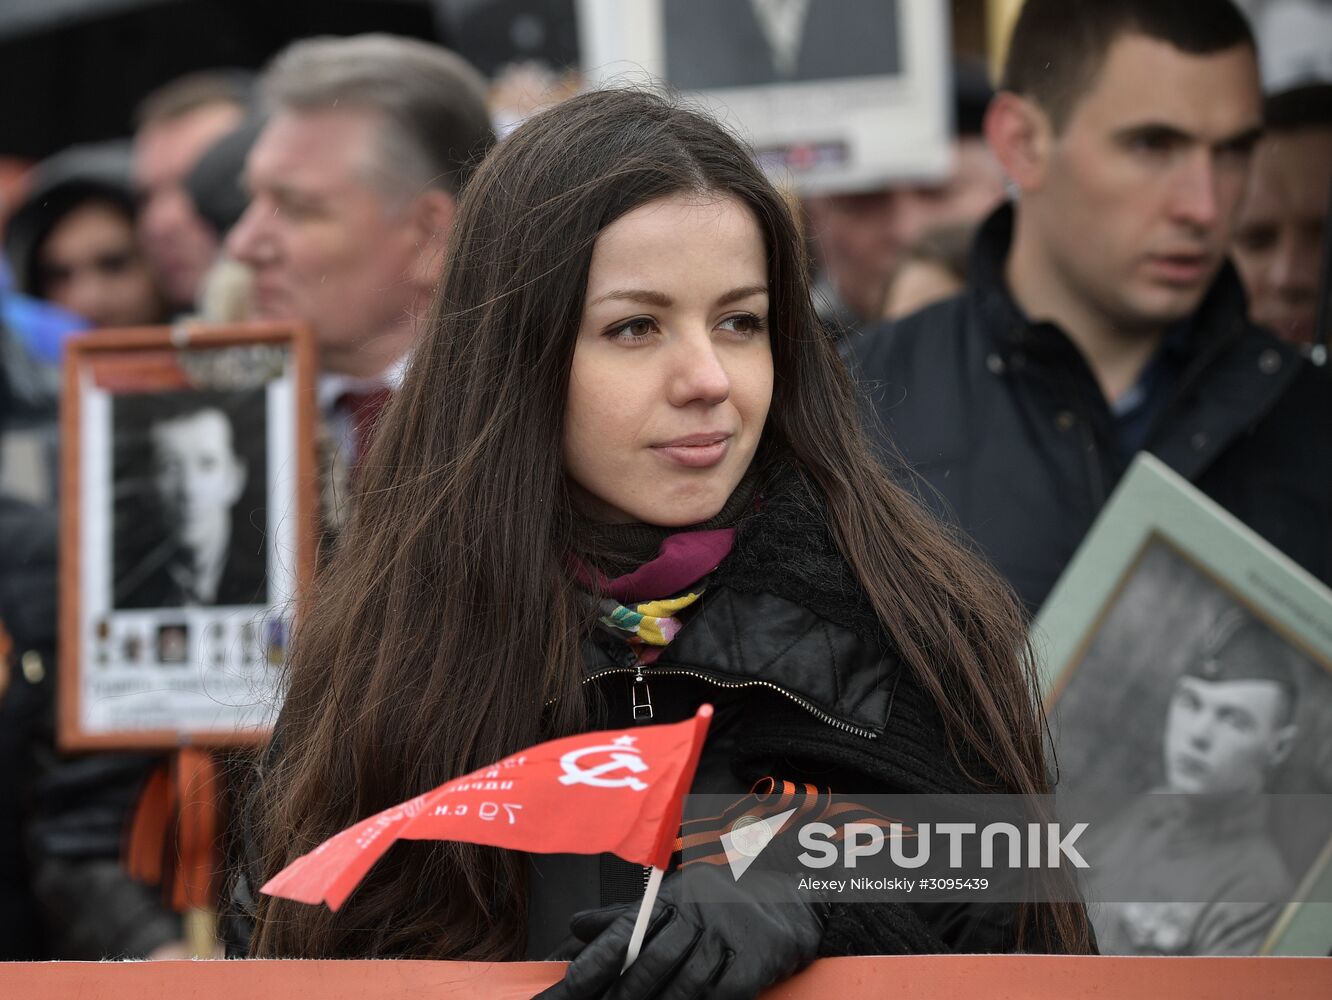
{"x":924,"y":977}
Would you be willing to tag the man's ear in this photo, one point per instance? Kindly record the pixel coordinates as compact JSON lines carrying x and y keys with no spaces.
{"x":1283,"y":742}
{"x":432,"y":217}
{"x":1021,"y":136}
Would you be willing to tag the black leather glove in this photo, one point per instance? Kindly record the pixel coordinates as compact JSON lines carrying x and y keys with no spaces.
{"x":715,"y":938}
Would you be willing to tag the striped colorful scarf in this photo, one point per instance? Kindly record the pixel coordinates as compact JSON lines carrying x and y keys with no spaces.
{"x":648,"y":627}
{"x":633,"y":608}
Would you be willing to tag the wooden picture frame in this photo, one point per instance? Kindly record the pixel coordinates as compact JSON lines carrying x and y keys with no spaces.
{"x":1163,"y":568}
{"x":188,"y":529}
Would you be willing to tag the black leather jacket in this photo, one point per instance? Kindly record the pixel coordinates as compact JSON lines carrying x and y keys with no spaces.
{"x":806,"y":688}
{"x":1005,"y":423}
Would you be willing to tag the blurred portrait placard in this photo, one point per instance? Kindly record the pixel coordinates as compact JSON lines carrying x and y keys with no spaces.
{"x":1184,"y":655}
{"x":187,"y":531}
{"x":834,"y":95}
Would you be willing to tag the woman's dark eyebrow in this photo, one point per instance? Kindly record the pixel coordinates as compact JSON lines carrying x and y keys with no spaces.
{"x":744,"y":292}
{"x":635,"y":295}
{"x":665,"y":301}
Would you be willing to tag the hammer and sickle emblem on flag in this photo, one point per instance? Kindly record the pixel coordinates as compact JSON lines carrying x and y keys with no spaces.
{"x":623,"y":757}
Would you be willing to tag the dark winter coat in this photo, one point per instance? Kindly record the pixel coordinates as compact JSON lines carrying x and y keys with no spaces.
{"x":1015,"y":443}
{"x":69,"y":812}
{"x":806,"y":688}
{"x":27,"y":614}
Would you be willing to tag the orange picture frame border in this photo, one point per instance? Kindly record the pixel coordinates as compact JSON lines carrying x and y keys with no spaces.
{"x":154,"y":366}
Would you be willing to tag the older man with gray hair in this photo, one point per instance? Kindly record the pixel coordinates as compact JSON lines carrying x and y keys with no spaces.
{"x":354,"y":183}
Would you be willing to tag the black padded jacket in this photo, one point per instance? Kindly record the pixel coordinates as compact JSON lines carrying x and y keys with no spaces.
{"x":807,"y":688}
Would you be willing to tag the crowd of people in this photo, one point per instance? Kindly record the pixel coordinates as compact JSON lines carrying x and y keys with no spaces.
{"x":556,"y":366}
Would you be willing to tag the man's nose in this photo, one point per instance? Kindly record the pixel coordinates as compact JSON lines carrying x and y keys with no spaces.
{"x":1200,"y":733}
{"x":155,"y":213}
{"x":249,"y":240}
{"x":1196,"y":200}
{"x":169,"y":211}
{"x":171,"y":490}
{"x":698,"y":374}
{"x":85,"y":294}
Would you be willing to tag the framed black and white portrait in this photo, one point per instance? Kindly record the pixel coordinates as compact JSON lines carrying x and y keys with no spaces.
{"x":1188,"y":673}
{"x":188,"y":517}
{"x":834,"y":95}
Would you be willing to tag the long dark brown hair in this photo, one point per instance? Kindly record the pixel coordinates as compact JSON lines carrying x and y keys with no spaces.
{"x":446,"y":629}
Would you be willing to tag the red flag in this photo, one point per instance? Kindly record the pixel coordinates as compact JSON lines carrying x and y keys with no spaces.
{"x":620,"y":791}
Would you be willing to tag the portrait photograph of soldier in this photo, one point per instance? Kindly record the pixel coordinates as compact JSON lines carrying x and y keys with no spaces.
{"x":1185,"y":691}
{"x":189,"y":479}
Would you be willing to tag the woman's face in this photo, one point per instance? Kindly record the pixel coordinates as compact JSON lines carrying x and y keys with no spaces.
{"x":672,"y":370}
{"x":91,"y":265}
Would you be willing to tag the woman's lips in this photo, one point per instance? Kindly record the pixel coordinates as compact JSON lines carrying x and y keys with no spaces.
{"x":697,"y":451}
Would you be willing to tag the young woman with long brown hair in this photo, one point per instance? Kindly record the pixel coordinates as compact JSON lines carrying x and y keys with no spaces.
{"x":623,"y":398}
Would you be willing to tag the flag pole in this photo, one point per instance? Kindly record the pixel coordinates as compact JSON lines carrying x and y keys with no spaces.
{"x":663,"y":852}
{"x":644,"y":912}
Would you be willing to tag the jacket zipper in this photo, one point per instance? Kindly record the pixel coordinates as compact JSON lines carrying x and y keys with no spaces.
{"x":642,"y":710}
{"x":643,"y":673}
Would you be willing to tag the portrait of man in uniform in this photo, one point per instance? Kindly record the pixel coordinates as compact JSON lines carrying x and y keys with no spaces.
{"x":1200,"y":858}
{"x":189,"y":502}
{"x":1192,"y":728}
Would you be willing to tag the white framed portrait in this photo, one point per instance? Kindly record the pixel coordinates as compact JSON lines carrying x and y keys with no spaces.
{"x":834,"y":95}
{"x":187,"y":520}
{"x":1187,"y":667}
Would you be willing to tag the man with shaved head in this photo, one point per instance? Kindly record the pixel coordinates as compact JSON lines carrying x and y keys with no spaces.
{"x":1102,"y":317}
